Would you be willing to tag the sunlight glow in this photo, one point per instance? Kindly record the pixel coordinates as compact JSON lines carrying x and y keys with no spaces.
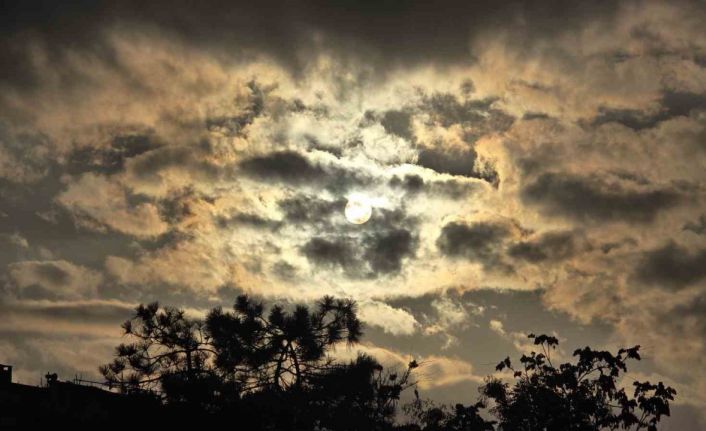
{"x":358,"y":209}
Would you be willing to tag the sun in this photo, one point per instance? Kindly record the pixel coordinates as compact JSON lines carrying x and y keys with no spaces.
{"x":358,"y":209}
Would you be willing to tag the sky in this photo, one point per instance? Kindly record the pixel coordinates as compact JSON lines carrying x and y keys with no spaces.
{"x":530,"y":166}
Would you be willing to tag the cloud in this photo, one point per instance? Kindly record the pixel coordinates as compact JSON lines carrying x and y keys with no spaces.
{"x":370,"y":255}
{"x":253,"y":220}
{"x":447,"y":110}
{"x":66,"y":354}
{"x":335,"y":252}
{"x":62,"y":317}
{"x":283,"y":166}
{"x":398,"y":123}
{"x":53,"y":280}
{"x":15,"y":239}
{"x":594,"y":199}
{"x":290,"y":35}
{"x":453,"y":188}
{"x":698,"y":227}
{"x":310,"y":209}
{"x":292,"y":168}
{"x":395,"y":321}
{"x":195,"y":153}
{"x":385,"y":251}
{"x":435,"y":371}
{"x":552,"y":246}
{"x":462,"y":163}
{"x":182,"y":266}
{"x":451,"y":316}
{"x":106,"y":202}
{"x":110,"y":159}
{"x":497,"y":327}
{"x":235,"y":125}
{"x":25,"y":157}
{"x":480,"y":242}
{"x":439,"y":371}
{"x":672,"y":266}
{"x":672,"y":104}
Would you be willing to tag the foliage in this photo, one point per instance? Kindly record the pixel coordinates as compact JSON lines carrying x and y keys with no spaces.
{"x":169,"y":351}
{"x":584,"y":395}
{"x":283,"y":348}
{"x":271,"y":370}
{"x":425,"y":415}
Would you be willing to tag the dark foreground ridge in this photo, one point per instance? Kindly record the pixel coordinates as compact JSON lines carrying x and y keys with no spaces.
{"x":70,"y":405}
{"x":253,"y":368}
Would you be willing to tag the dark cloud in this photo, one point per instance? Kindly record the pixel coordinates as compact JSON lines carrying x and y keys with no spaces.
{"x":39,"y":280}
{"x":333,"y":252}
{"x":672,"y":104}
{"x":234,"y":125}
{"x":447,"y":110}
{"x":411,"y":183}
{"x":682,"y":103}
{"x":247,"y":219}
{"x":595,"y":199}
{"x":171,"y":238}
{"x":476,"y":117}
{"x":698,"y":227}
{"x":111,"y":159}
{"x":287,"y":166}
{"x":178,"y":205}
{"x":371,"y":255}
{"x":398,"y":123}
{"x":451,"y":188}
{"x":387,"y":34}
{"x":51,"y":280}
{"x":686,"y":318}
{"x":190,"y":158}
{"x":26,"y":155}
{"x":478,"y":242}
{"x":294,"y":168}
{"x":315,"y":144}
{"x":455,"y":162}
{"x":630,"y":118}
{"x":550,"y":246}
{"x":86,"y":312}
{"x":672,"y":266}
{"x":384,"y":219}
{"x":31,"y":211}
{"x":614,"y":245}
{"x":385,"y":251}
{"x":448,"y":162}
{"x":50,"y":272}
{"x":285,"y":270}
{"x":311,"y":209}
{"x":529,"y":116}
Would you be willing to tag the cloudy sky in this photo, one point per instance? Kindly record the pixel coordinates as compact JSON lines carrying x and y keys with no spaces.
{"x":530,"y":168}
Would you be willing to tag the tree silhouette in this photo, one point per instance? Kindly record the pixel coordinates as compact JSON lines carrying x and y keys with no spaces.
{"x":282,"y":349}
{"x":575,"y":396}
{"x":169,"y":352}
{"x":360,"y":394}
{"x":271,"y":369}
{"x":427,"y":416}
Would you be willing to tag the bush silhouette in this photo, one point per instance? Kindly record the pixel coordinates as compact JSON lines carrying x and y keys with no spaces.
{"x":584,"y":395}
{"x":271,"y":369}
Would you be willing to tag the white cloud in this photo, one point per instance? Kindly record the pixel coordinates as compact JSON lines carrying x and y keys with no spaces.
{"x":392,"y":320}
{"x":435,"y":371}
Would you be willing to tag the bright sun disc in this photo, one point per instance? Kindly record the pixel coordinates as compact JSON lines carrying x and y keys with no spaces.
{"x":358,"y":210}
